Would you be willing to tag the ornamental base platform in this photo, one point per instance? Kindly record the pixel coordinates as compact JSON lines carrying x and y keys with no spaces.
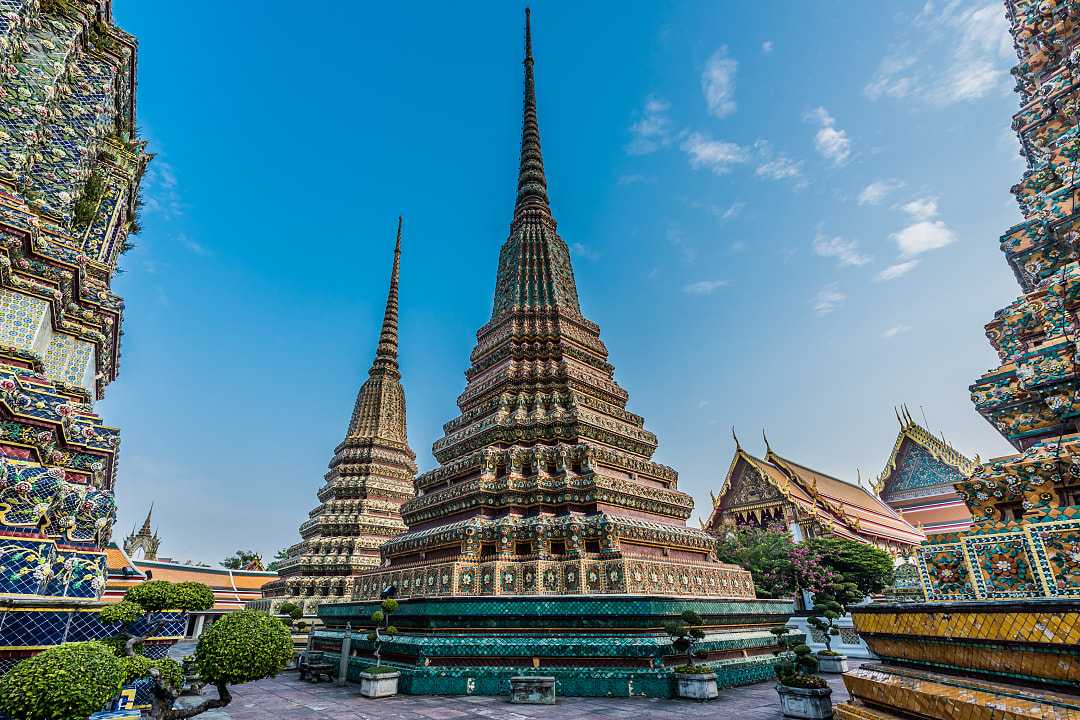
{"x":980,"y":660}
{"x":594,"y":646}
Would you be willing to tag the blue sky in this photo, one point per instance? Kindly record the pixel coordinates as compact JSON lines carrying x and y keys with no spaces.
{"x":781,"y":215}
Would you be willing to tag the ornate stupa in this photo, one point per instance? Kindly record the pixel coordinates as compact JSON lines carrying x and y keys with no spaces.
{"x":547,"y":511}
{"x":545,"y":481}
{"x":145,"y":540}
{"x":70,"y":169}
{"x":998,"y":633}
{"x":370,"y":476}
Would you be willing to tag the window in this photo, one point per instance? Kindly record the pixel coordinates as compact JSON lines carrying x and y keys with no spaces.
{"x":1012,"y":511}
{"x":487,"y":549}
{"x":523,"y":548}
{"x":558,"y":547}
{"x":592,"y":546}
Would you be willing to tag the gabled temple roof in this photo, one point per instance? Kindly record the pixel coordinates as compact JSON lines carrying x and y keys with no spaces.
{"x":911,"y":433}
{"x":847,"y":510}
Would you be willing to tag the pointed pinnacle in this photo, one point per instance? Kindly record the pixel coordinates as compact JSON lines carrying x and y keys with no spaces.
{"x":768,"y":448}
{"x":532,"y":183}
{"x":386,"y":354}
{"x":736,"y":438}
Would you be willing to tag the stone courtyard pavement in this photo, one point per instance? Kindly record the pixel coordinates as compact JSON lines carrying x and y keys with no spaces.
{"x":287,"y":698}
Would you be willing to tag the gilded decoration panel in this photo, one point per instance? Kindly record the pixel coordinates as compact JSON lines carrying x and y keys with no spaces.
{"x":578,"y":576}
{"x":1002,"y":566}
{"x":1057,"y":556}
{"x":944,"y":572}
{"x":1040,"y":558}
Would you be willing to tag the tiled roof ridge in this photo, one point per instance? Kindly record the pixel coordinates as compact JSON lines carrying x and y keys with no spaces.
{"x":939,"y":448}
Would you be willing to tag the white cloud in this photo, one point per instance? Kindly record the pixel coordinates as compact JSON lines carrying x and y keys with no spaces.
{"x":704,"y":287}
{"x":922,"y":237}
{"x":715,"y":155}
{"x":774,"y":165}
{"x":833,"y":143}
{"x":960,"y":53}
{"x":828,"y":299}
{"x":846,"y":252}
{"x":162,"y":191}
{"x":876,"y":192}
{"x":718,"y":83}
{"x":632,"y":179}
{"x":767,"y":47}
{"x":652,"y":130}
{"x":779,"y":168}
{"x":894,"y":271}
{"x":191,"y":245}
{"x":733,"y":210}
{"x":921,"y":208}
{"x":894,"y":331}
{"x":584,"y":251}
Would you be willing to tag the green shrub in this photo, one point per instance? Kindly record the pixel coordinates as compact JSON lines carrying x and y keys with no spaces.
{"x":136,"y":666}
{"x":243,"y":646}
{"x":868,"y":567}
{"x":291,"y":609}
{"x":192,"y":596}
{"x":125,"y":612}
{"x":172,"y":672}
{"x":67,"y":681}
{"x":153,"y":595}
{"x":693,"y":670}
{"x":379,"y":669}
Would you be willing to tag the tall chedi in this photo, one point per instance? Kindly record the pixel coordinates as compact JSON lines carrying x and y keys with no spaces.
{"x":1000,"y":632}
{"x":370,"y":476}
{"x":546,"y":508}
{"x":69,"y":178}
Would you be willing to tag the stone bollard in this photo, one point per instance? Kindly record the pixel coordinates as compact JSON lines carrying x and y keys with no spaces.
{"x":346,"y":648}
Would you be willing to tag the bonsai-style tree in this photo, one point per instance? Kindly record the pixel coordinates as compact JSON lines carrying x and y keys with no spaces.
{"x":241,"y":647}
{"x":796,"y":664}
{"x":685,"y":634}
{"x":383,"y":631}
{"x":291,"y":610}
{"x":148,"y":597}
{"x":829,"y":605}
{"x":75,"y":680}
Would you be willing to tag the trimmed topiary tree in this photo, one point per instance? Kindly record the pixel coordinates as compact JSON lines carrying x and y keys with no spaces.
{"x":148,"y":597}
{"x":685,"y":634}
{"x":829,"y":605}
{"x":241,"y":647}
{"x":383,"y":631}
{"x":796,"y":664}
{"x":68,"y":681}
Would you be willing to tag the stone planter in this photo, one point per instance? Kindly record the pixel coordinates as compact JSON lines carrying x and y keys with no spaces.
{"x":832,"y":663}
{"x":377,"y":685}
{"x":532,"y":690}
{"x":696,"y":686}
{"x":805,"y":703}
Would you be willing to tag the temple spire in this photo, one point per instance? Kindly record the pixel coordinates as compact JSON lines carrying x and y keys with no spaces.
{"x":386,"y":354}
{"x":145,"y":530}
{"x":532,"y":184}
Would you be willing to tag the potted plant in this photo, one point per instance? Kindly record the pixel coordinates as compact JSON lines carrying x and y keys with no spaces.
{"x":379,"y":680}
{"x":829,"y":605}
{"x":691,"y":681}
{"x":802,"y":694}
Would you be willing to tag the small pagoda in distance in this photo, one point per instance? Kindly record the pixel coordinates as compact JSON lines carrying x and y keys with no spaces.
{"x":370,"y":476}
{"x":145,"y":541}
{"x":548,"y":537}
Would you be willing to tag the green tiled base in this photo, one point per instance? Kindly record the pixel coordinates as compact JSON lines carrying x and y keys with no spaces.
{"x":593,"y":645}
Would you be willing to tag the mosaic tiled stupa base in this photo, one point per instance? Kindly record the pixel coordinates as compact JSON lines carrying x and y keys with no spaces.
{"x":548,"y":538}
{"x":594,"y":645}
{"x":999,"y":635}
{"x":69,"y":174}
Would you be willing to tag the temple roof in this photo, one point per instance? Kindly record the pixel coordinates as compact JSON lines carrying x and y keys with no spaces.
{"x":845,"y":509}
{"x":939,"y":463}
